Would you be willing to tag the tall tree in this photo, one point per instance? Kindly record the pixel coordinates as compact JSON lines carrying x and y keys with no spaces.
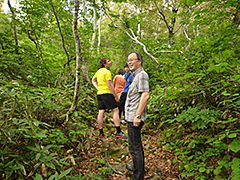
{"x":78,"y":59}
{"x":85,"y":58}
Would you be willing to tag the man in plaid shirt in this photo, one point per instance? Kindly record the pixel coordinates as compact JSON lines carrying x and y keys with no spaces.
{"x":136,"y":112}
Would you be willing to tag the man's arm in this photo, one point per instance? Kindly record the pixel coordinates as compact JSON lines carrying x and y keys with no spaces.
{"x":142,"y":104}
{"x":110,"y":85}
{"x":94,"y":82}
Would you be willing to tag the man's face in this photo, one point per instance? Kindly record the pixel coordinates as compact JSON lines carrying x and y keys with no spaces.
{"x":108,"y":64}
{"x":127,"y":70}
{"x":133,"y":62}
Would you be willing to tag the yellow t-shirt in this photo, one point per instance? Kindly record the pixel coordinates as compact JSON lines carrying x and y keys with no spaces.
{"x":103,"y":75}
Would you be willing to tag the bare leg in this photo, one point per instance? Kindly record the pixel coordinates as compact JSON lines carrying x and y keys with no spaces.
{"x":100,"y":118}
{"x":116,"y":117}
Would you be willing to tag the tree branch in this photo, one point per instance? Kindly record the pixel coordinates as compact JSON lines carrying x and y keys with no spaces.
{"x":207,"y":86}
{"x":186,"y":33}
{"x":163,"y":17}
{"x":168,"y":52}
{"x":134,"y":38}
{"x":63,"y":43}
{"x":179,"y":27}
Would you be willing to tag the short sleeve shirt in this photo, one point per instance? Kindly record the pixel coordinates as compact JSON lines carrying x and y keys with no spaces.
{"x":103,"y":75}
{"x":119,"y":83}
{"x":139,"y":85}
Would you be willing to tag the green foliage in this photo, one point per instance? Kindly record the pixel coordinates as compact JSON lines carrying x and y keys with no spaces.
{"x":194,"y":100}
{"x":30,"y":140}
{"x":196,"y":107}
{"x":202,"y":143}
{"x":55,"y":176}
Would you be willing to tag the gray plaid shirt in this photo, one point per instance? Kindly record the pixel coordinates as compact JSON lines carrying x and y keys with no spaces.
{"x":140,"y":84}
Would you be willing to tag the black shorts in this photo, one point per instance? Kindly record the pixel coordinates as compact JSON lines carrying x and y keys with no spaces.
{"x":106,"y":101}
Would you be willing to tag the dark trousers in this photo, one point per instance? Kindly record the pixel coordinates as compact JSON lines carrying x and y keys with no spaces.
{"x":121,"y":105}
{"x":136,"y":150}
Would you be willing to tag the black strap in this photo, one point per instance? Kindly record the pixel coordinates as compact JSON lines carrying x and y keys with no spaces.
{"x":128,"y":76}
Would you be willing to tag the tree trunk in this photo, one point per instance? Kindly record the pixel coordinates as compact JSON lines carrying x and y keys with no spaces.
{"x":14,"y":27}
{"x":78,"y":60}
{"x":94,"y":23}
{"x":170,"y":27}
{"x":85,"y":59}
{"x":99,"y":33}
{"x":236,"y":19}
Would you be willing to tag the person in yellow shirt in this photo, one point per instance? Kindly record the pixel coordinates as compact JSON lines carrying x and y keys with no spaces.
{"x":107,"y":97}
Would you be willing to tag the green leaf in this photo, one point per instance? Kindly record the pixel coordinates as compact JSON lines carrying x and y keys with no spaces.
{"x":235,"y":164}
{"x":38,"y":156}
{"x":189,"y":75}
{"x":64,"y":173}
{"x":41,"y":134}
{"x":46,"y":148}
{"x":38,"y":177}
{"x":222,"y":162}
{"x":202,"y":169}
{"x":235,"y":145}
{"x":9,"y":174}
{"x":225,"y":93}
{"x":171,"y":97}
{"x":32,"y":148}
{"x":53,"y":176}
{"x":217,"y":170}
{"x":9,"y":163}
{"x":237,"y":77}
{"x":233,"y":135}
{"x":222,"y":136}
{"x":50,"y":165}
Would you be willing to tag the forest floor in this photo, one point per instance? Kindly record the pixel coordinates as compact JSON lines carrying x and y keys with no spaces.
{"x":112,"y":152}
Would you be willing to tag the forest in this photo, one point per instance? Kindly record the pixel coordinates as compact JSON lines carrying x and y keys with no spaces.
{"x":49,"y":52}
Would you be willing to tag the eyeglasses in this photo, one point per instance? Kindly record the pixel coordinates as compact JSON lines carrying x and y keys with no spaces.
{"x":131,"y":60}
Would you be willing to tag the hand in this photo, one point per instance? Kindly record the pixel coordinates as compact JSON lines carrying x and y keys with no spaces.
{"x":136,"y":121}
{"x":117,"y":99}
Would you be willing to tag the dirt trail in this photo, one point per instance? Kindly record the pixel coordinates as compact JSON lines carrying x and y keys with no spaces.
{"x":158,"y":162}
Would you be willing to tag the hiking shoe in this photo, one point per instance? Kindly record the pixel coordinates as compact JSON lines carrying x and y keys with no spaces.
{"x":121,"y":135}
{"x":129,"y":167}
{"x":101,"y":135}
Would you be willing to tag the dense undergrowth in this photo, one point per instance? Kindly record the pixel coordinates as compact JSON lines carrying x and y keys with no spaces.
{"x":33,"y":146}
{"x":203,"y":130}
{"x":194,"y":99}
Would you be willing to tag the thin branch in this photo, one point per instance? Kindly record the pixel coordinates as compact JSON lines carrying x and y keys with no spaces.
{"x":168,"y":52}
{"x":207,"y":86}
{"x":163,"y":17}
{"x":133,"y":38}
{"x":67,"y":63}
{"x":179,"y":27}
{"x":63,"y":43}
{"x":35,"y":35}
{"x":186,"y":33}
